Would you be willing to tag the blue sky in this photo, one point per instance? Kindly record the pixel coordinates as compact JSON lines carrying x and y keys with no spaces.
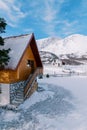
{"x":44,"y":18}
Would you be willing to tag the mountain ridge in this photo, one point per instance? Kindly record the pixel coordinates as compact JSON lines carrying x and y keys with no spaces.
{"x":75,"y":43}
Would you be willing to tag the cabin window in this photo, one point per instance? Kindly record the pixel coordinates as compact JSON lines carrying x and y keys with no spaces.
{"x":30,"y":63}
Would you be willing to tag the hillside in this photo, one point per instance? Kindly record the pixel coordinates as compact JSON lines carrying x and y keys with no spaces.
{"x":76,"y":44}
{"x":72,"y":49}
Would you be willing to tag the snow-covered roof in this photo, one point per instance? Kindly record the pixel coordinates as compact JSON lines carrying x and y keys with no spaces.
{"x":17,"y":44}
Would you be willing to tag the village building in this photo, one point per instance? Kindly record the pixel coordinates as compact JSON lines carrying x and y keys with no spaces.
{"x":57,"y":62}
{"x":18,"y":79}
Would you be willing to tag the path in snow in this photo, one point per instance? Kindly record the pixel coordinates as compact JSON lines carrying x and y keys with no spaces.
{"x":59,"y":104}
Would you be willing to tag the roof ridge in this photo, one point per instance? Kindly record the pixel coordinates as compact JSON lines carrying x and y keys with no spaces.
{"x":17,"y":36}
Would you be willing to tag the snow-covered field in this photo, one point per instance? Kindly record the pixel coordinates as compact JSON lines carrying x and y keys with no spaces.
{"x":65,"y":70}
{"x":58,"y":104}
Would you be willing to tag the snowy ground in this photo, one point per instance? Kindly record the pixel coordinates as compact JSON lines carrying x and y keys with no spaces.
{"x":65,"y":70}
{"x":59,"y":104}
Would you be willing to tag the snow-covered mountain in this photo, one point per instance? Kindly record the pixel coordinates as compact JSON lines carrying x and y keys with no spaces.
{"x":45,"y":42}
{"x":75,"y":44}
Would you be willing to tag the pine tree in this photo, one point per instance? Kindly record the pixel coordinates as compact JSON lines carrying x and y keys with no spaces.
{"x":4,"y":57}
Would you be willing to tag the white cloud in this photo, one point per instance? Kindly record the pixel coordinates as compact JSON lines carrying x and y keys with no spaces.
{"x":50,"y":14}
{"x":11,"y":11}
{"x":69,"y":27}
{"x":47,"y":13}
{"x":3,"y":6}
{"x":69,"y":24}
{"x":43,"y":14}
{"x":51,"y":10}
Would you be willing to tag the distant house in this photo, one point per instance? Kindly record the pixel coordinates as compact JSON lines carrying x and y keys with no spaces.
{"x":18,"y":80}
{"x":57,"y":62}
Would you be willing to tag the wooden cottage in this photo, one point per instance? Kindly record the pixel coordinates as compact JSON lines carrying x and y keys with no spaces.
{"x":18,"y":80}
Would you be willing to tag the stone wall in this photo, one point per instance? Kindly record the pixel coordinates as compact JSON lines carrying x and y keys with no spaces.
{"x":14,"y":88}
